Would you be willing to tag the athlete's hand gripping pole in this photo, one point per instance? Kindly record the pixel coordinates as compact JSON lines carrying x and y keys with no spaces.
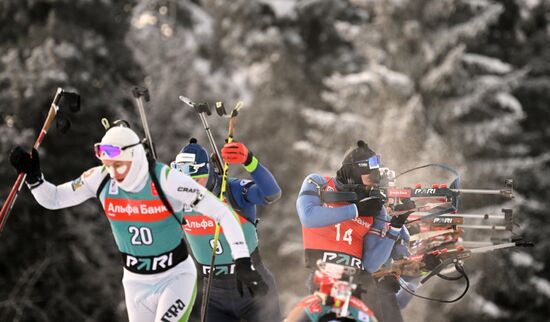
{"x":73,"y":104}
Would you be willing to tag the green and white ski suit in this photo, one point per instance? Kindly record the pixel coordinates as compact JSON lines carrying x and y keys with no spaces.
{"x":160,"y":279}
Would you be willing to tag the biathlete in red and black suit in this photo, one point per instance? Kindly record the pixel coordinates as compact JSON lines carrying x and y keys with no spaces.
{"x":344,"y":221}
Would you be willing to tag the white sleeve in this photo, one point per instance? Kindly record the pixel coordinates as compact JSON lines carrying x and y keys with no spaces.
{"x":181,"y":187}
{"x":70,"y":193}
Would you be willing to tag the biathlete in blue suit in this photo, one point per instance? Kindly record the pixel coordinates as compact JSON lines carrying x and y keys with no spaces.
{"x":227,"y":302}
{"x":344,"y":221}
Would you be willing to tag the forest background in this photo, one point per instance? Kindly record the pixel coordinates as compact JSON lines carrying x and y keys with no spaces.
{"x":465,"y":83}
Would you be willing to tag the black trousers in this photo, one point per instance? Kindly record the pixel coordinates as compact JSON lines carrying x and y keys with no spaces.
{"x":227,"y":305}
{"x":380,"y":297}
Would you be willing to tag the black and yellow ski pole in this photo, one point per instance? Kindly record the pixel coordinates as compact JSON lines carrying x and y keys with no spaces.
{"x":232,"y":124}
{"x":202,"y":109}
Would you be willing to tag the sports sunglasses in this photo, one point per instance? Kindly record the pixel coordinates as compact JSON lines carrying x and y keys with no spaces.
{"x":112,"y":151}
{"x":370,"y":163}
{"x":187,"y":167}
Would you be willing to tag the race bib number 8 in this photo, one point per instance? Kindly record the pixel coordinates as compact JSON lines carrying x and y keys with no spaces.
{"x":219,"y":249}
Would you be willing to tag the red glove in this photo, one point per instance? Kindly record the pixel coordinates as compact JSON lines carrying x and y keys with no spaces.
{"x":236,"y":152}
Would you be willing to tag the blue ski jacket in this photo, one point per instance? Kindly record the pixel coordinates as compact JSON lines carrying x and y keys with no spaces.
{"x":376,"y":249}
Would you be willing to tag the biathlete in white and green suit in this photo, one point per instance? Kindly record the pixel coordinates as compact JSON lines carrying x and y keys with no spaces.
{"x":227,"y":302}
{"x":144,"y":201}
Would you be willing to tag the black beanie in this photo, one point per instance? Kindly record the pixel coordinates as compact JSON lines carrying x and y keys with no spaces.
{"x":349,"y":172}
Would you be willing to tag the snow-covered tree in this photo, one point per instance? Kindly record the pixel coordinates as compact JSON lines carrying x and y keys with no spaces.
{"x":424,"y":96}
{"x":462,"y":82}
{"x":59,"y":267}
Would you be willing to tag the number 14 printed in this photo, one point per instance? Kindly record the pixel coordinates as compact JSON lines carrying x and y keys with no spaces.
{"x":347,"y":234}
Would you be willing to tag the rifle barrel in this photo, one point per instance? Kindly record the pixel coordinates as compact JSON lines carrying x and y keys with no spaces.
{"x":487,"y":227}
{"x":506,"y":192}
{"x":472,"y":216}
{"x":477,"y":216}
{"x":486,"y":249}
{"x":472,"y":243}
{"x":429,"y":234}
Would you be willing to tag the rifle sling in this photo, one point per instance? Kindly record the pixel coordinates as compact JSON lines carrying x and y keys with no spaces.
{"x":161,"y":193}
{"x":338,"y":196}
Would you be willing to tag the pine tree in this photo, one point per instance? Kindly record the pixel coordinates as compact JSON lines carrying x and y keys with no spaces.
{"x":60,"y":265}
{"x":423,"y":96}
{"x":517,"y":37}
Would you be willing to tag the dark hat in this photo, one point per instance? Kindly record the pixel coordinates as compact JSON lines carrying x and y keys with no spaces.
{"x":351,"y":169}
{"x":201,"y":156}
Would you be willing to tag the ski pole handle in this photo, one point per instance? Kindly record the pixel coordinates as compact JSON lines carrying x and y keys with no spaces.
{"x":141,"y":94}
{"x":201,"y":109}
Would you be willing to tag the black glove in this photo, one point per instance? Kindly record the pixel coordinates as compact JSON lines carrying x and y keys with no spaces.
{"x":369,"y":207}
{"x":361,"y":191}
{"x":364,"y":280}
{"x":399,"y":221}
{"x":377,"y":193}
{"x":431,"y":261}
{"x":22,"y":161}
{"x":249,"y":277}
{"x":406,"y":204}
{"x":389,"y":283}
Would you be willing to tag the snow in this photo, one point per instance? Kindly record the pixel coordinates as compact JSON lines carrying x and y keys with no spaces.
{"x":491,"y":309}
{"x":323,"y":119}
{"x":439,"y":73}
{"x":347,"y":30}
{"x":468,"y":30}
{"x":377,"y":74}
{"x":144,"y":19}
{"x":257,"y":73}
{"x":394,"y":79}
{"x":351,"y":79}
{"x":530,"y":3}
{"x":66,"y":50}
{"x":282,"y":8}
{"x":525,"y":259}
{"x":491,"y":65}
{"x":488,"y":307}
{"x":507,"y":100}
{"x":203,"y":23}
{"x":478,"y":3}
{"x":542,"y":285}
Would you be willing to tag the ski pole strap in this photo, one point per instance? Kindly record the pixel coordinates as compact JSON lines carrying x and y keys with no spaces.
{"x":392,"y":236}
{"x":308,"y":193}
{"x":329,"y":196}
{"x":375,"y":231}
{"x":37,"y":183}
{"x":161,"y":193}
